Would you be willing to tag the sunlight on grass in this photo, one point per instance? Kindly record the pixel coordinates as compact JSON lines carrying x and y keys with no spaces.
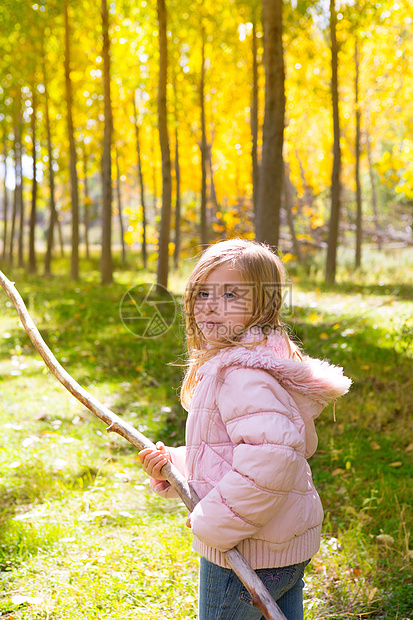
{"x":81,"y":535}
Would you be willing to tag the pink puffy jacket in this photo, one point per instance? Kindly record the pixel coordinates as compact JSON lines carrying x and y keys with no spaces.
{"x":249,"y":433}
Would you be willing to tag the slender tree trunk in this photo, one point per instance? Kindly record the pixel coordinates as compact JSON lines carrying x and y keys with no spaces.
{"x":335,"y":180}
{"x":154,"y":179}
{"x":177,"y":238}
{"x":13,"y":219}
{"x":86,"y":205}
{"x":119,"y":197}
{"x":52,"y":202}
{"x":32,"y":240}
{"x":60,"y":234}
{"x":254,"y":119}
{"x":204,"y":148}
{"x":142,"y":187}
{"x":288,"y":193}
{"x":373,"y":191}
{"x":5,"y":196}
{"x":359,"y":225}
{"x":19,"y":189}
{"x":18,"y":207}
{"x":177,"y":248}
{"x":163,"y":258}
{"x":267,"y":227}
{"x":74,"y":264}
{"x":308,"y":192}
{"x":106,"y":260}
{"x":213,"y":192}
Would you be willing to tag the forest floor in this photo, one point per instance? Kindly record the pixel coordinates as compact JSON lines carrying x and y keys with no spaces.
{"x":81,"y":535}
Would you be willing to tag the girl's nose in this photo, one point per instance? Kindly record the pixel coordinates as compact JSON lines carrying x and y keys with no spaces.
{"x":211,"y":305}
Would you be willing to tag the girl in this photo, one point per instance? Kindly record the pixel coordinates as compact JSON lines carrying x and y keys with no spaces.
{"x":252,"y":398}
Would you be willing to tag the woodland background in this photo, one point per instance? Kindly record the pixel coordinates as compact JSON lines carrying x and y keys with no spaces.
{"x":132,"y":134}
{"x":131,"y":125}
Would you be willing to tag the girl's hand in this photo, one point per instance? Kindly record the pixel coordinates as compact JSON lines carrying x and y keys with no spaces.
{"x":153,"y":460}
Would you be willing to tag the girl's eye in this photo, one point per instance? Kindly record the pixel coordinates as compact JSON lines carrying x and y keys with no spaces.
{"x":229,"y":295}
{"x":203,"y":294}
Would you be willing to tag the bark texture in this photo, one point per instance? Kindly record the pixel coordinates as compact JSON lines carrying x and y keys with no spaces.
{"x":267,"y":226}
{"x":106,"y":265}
{"x":74,"y":262}
{"x":163,"y":257}
{"x":331,"y":263}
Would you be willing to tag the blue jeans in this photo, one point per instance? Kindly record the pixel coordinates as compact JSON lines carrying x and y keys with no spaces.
{"x":222,"y":596}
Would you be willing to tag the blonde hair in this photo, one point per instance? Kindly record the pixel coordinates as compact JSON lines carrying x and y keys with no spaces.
{"x":258,"y":266}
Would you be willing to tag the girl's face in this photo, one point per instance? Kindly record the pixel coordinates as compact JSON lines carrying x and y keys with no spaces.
{"x":223,"y":305}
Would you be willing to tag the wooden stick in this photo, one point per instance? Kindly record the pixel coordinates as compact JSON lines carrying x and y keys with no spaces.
{"x":261,"y":598}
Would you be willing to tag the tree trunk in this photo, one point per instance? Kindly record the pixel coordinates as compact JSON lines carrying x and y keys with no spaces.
{"x":308,"y":191}
{"x":19,"y":188}
{"x":335,"y":180}
{"x":119,"y":197}
{"x":163,"y":258}
{"x":106,"y":259}
{"x":359,"y":225}
{"x":52,"y":203}
{"x":267,"y":226}
{"x":74,"y":264}
{"x":213,"y":192}
{"x":204,"y":148}
{"x":86,"y":205}
{"x":288,"y":193}
{"x":142,"y":187}
{"x":32,"y":240}
{"x":60,"y":234}
{"x":254,"y":120}
{"x":5,"y":197}
{"x":373,"y":191}
{"x":177,"y":248}
{"x":154,"y":179}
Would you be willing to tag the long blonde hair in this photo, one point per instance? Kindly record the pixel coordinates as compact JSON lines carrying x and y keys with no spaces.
{"x":258,"y":266}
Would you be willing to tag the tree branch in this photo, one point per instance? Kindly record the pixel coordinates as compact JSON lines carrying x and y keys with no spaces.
{"x":260,"y":596}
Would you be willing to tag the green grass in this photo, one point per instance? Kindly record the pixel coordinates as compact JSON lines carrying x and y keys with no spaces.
{"x":81,"y":535}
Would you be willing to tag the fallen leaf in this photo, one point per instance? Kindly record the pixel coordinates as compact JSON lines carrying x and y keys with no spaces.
{"x":374,"y":445}
{"x":396,"y":464}
{"x":338,"y":471}
{"x":409,"y":448}
{"x":371,"y":595}
{"x":351,"y":510}
{"x":385,"y":539}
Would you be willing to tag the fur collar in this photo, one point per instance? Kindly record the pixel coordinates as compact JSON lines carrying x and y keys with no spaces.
{"x":314,"y":378}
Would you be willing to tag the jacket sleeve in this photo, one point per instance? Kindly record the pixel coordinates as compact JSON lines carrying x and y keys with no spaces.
{"x":268,"y":456}
{"x":162,"y":487}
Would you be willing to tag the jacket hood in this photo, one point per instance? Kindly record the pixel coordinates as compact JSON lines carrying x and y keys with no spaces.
{"x":317,"y":379}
